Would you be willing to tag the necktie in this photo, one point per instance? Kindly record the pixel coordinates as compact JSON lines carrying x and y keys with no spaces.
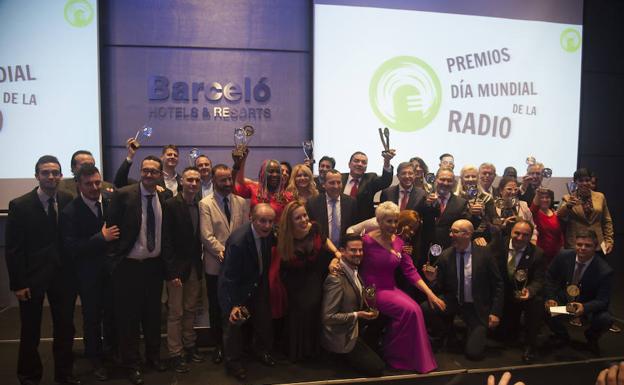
{"x":404,"y":199}
{"x":354,"y":188}
{"x":442,"y":204}
{"x":577,"y":273}
{"x":151,"y":224}
{"x":335,"y":225}
{"x":226,"y":208}
{"x":461,"y":277}
{"x":98,"y":208}
{"x":511,"y":263}
{"x":52,"y":212}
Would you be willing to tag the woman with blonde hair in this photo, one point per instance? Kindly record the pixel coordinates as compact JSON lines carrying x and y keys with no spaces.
{"x":301,"y":184}
{"x":298,"y":268}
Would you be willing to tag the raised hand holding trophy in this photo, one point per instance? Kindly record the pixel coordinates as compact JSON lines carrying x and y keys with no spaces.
{"x":143,"y":133}
{"x":242,"y":137}
{"x":193,"y":155}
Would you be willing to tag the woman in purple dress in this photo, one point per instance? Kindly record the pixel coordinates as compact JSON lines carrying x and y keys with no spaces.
{"x":406,"y":343}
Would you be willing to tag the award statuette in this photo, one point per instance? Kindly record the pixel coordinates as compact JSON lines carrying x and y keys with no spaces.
{"x":370,"y":298}
{"x":384,"y":135}
{"x":308,"y":149}
{"x":242,"y":137}
{"x":193,"y":155}
{"x":429,"y":268}
{"x":572,"y":292}
{"x":143,"y":133}
{"x":472,"y":193}
{"x":530,"y":160}
{"x":520,"y":281}
{"x":507,"y":206}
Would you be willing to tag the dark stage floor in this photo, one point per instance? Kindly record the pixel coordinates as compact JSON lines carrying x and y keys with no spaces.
{"x":571,"y":365}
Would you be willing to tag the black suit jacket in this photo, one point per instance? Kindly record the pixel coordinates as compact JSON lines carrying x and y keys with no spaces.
{"x":317,"y":211}
{"x":122,"y":180}
{"x":595,"y":284}
{"x":369,"y":184}
{"x":32,"y":243}
{"x":416,"y":200}
{"x":240,"y":274}
{"x":436,"y":227}
{"x":532,"y":260}
{"x":181,"y":244}
{"x":125,"y":212}
{"x":83,"y":241}
{"x":487,"y":285}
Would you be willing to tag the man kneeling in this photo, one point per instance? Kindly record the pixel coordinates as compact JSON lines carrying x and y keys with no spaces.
{"x":343,"y":301}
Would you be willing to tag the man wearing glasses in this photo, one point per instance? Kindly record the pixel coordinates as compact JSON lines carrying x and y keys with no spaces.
{"x":138,"y":268}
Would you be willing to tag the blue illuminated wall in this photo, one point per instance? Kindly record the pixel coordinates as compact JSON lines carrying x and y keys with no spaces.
{"x":212,"y":56}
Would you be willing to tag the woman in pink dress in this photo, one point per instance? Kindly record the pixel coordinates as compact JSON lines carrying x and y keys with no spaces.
{"x":406,"y":343}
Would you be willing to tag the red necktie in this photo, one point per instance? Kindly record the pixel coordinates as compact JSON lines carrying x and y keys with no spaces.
{"x":404,"y":200}
{"x":354,"y":188}
{"x":442,"y":204}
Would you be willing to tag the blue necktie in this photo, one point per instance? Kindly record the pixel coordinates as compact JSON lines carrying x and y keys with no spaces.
{"x":335,"y":230}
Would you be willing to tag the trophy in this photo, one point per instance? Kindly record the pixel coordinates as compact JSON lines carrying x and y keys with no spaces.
{"x":472,"y":193}
{"x":530,"y":160}
{"x":143,"y":133}
{"x":507,"y":206}
{"x":520,"y":281}
{"x":572,"y":292}
{"x":242,"y":137}
{"x":572,"y":188}
{"x":370,"y":298}
{"x":193,"y":155}
{"x":384,"y":135}
{"x":430,"y":269}
{"x":243,"y":316}
{"x":308,"y":149}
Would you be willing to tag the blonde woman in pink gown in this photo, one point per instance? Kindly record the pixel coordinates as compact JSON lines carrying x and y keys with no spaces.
{"x":406,"y":343}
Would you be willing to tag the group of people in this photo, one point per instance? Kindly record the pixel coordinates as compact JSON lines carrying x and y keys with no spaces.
{"x":302,"y":264}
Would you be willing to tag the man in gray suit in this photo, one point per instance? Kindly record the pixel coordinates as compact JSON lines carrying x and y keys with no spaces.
{"x":343,"y":302}
{"x":220,"y":213}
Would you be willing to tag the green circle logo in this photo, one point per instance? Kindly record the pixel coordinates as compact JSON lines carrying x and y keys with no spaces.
{"x":405,"y":93}
{"x":79,"y":13}
{"x":570,"y":40}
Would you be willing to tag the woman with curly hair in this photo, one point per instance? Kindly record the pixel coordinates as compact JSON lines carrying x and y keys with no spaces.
{"x":301,"y":184}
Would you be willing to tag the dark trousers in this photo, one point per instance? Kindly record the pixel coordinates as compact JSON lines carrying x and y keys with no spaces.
{"x":533,"y":315}
{"x":96,"y":296}
{"x":260,"y":322}
{"x":137,"y":289}
{"x":599,"y":323}
{"x":214,"y":310}
{"x":61,"y":294}
{"x":441,"y":325}
{"x":363,"y":359}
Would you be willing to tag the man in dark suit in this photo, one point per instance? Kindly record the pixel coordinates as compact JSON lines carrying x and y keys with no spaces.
{"x":138,"y":268}
{"x":85,"y":236}
{"x":522,"y":267}
{"x":79,"y":158}
{"x":363,"y":186}
{"x":182,"y":252}
{"x":342,"y":308}
{"x":405,"y":194}
{"x":325,"y":164}
{"x":333,"y":211}
{"x":36,"y":269}
{"x":244,"y":289}
{"x":531,"y":182}
{"x":487,"y":175}
{"x":592,"y":277}
{"x":471,"y":286}
{"x":442,"y":208}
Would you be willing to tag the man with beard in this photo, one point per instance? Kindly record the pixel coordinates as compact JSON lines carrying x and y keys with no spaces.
{"x":204,"y":165}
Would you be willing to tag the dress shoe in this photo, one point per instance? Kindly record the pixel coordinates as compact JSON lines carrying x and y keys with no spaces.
{"x":236,"y":370}
{"x":193,"y":354}
{"x":157,"y":365}
{"x":135,"y":375}
{"x":615,"y":329}
{"x":217,"y":355}
{"x":266,"y":359}
{"x":69,"y":380}
{"x":528,"y":356}
{"x":179,"y":365}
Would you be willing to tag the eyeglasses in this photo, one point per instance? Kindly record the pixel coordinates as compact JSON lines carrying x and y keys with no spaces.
{"x":151,"y":171}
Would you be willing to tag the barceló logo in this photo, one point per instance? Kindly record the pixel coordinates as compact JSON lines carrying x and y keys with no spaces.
{"x":405,"y":93}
